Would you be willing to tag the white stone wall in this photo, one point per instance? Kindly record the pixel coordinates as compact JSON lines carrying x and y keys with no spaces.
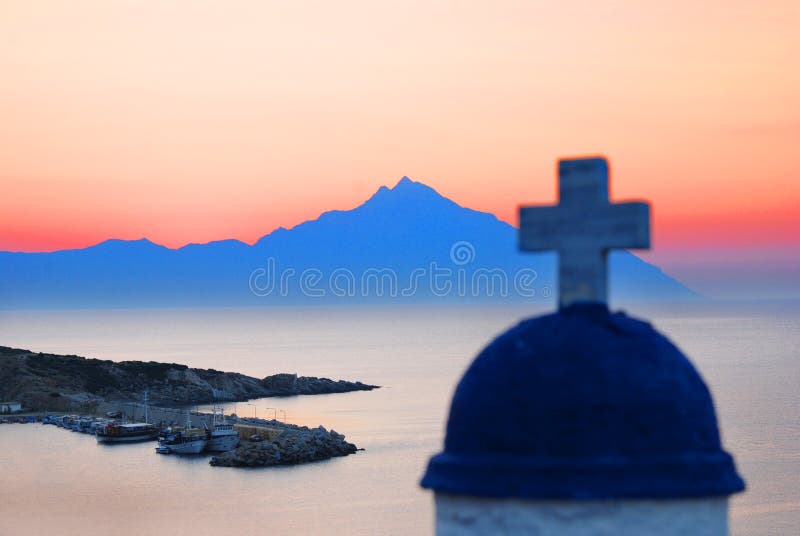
{"x":468,"y":516}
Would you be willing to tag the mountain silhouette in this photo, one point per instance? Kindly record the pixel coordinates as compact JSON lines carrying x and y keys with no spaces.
{"x":405,"y":243}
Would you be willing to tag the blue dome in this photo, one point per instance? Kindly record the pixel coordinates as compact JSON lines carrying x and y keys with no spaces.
{"x":582,"y":404}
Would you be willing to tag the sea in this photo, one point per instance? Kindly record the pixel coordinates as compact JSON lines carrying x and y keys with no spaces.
{"x":54,"y":482}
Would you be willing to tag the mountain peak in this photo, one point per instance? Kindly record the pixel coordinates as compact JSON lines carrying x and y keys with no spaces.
{"x":407,"y":196}
{"x":406,"y":190}
{"x":405,"y":182}
{"x":144,"y":241}
{"x":119,"y":244}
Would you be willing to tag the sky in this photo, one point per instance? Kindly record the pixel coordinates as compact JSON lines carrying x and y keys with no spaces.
{"x":188,"y":121}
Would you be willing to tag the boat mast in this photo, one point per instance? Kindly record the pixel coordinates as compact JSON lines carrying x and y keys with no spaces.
{"x":145,"y":406}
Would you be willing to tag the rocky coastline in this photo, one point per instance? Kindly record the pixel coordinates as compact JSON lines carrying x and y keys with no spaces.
{"x":64,"y":382}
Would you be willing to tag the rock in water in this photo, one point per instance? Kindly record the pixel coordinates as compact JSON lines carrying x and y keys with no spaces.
{"x":292,"y":384}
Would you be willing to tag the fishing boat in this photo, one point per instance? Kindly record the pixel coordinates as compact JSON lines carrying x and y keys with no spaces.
{"x":118,"y":432}
{"x":186,"y":440}
{"x":126,"y":432}
{"x":223,"y":436}
{"x":182,"y":441}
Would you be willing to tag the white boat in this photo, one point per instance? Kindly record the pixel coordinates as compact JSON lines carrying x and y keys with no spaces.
{"x":186,"y":440}
{"x":183,"y":441}
{"x":223,"y":436}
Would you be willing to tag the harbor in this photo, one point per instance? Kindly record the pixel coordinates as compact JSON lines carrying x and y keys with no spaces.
{"x":207,"y":428}
{"x":177,"y":431}
{"x":231,"y":440}
{"x":99,"y":398}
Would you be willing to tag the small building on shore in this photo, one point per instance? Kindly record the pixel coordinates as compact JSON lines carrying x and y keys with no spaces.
{"x":10,"y":407}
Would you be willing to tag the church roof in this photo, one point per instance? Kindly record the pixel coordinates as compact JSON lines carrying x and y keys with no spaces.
{"x":582,"y":404}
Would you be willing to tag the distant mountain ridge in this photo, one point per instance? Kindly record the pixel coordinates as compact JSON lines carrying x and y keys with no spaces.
{"x":404,"y":243}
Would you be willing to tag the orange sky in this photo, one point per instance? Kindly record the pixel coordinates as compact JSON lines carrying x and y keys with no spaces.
{"x":189,"y":121}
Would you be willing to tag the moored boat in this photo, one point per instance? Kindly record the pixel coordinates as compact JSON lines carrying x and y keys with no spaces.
{"x":186,"y":440}
{"x":126,"y":432}
{"x":182,"y":441}
{"x":117,"y":432}
{"x":223,"y":436}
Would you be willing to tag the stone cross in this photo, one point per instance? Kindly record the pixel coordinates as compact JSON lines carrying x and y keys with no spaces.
{"x":582,"y":228}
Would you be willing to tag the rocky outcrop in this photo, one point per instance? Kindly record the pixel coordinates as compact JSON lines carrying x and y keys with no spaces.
{"x":291,"y":384}
{"x":293,"y":446}
{"x":49,"y":381}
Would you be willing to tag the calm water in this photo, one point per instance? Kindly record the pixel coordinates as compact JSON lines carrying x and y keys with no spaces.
{"x":57,"y":482}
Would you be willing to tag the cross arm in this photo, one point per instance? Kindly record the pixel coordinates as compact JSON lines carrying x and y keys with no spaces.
{"x":539,"y":228}
{"x":626,"y":226}
{"x":603,"y":227}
